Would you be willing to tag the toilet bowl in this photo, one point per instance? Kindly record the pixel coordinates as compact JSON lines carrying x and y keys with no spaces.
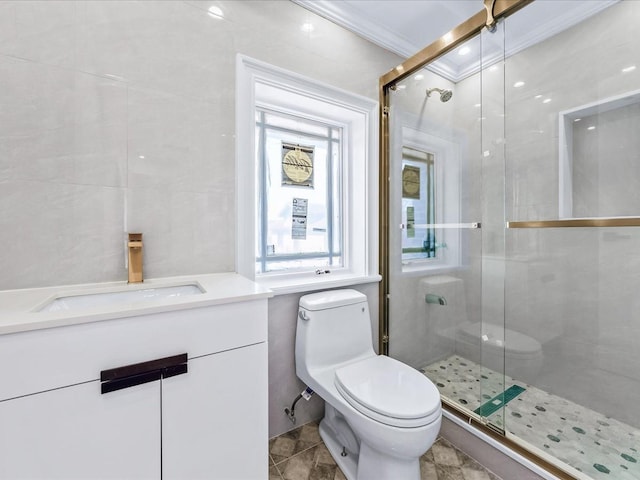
{"x":380,"y":414}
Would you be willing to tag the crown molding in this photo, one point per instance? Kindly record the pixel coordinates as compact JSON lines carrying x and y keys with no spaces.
{"x":350,"y":18}
{"x":345,"y":15}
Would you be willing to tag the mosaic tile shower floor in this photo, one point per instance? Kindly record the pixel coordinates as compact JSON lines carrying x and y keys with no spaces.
{"x":599,"y":446}
{"x":301,"y":455}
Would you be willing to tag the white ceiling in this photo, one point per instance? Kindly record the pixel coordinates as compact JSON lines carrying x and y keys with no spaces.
{"x":407,"y":26}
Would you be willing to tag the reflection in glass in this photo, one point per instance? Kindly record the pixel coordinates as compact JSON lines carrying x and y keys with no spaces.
{"x":418,"y":205}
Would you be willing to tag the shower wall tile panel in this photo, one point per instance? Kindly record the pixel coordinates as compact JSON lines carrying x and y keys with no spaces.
{"x":120,"y":116}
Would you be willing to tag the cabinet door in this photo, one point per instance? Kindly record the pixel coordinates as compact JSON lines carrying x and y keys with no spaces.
{"x":214,"y":418}
{"x":77,"y":433}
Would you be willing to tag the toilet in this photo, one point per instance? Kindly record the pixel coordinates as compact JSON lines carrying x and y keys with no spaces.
{"x":380,"y":414}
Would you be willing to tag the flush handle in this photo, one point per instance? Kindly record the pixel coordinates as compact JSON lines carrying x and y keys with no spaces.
{"x":303,"y":315}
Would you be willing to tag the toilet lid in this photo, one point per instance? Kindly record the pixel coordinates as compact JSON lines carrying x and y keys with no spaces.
{"x":388,"y":388}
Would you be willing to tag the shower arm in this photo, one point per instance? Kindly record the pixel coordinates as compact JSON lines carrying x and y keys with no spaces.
{"x":435,"y":89}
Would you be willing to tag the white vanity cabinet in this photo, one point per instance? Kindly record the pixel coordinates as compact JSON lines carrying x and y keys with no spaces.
{"x":207,"y":422}
{"x":232,"y":437}
{"x":74,"y":433}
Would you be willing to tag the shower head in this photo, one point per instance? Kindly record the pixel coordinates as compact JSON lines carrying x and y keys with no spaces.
{"x":445,"y":95}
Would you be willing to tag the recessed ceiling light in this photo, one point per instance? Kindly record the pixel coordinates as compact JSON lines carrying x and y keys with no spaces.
{"x":577,"y":119}
{"x":591,"y":127}
{"x":464,"y":51}
{"x":141,"y":156}
{"x":628,"y":69}
{"x":519,"y":84}
{"x":538,"y":96}
{"x":307,"y":27}
{"x":215,"y":12}
{"x":546,"y":100}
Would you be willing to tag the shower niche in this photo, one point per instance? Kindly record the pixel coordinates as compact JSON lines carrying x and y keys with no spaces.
{"x":598,"y":145}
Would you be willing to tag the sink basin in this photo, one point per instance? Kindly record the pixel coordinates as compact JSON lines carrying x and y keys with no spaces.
{"x":97,"y":300}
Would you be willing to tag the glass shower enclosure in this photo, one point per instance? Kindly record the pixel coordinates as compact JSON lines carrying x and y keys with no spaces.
{"x":511,"y":228}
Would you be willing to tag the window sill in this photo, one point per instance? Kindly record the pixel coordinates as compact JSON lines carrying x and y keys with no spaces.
{"x":286,"y":286}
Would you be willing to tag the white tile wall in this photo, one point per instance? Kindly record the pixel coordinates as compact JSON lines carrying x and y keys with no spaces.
{"x":121,"y":115}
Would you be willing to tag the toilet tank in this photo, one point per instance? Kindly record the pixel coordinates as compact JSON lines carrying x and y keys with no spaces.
{"x":333,"y":327}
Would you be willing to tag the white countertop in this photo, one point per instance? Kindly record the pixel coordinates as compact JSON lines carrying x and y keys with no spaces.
{"x":19,"y":309}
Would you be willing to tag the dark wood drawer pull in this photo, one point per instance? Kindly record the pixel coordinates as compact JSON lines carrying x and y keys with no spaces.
{"x":145,"y":372}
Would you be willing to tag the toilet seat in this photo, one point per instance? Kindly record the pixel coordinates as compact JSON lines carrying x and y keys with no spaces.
{"x":389,"y":392}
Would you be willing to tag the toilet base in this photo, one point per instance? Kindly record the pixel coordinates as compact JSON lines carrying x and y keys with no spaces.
{"x":349,"y":463}
{"x":374,"y":465}
{"x":365,"y":463}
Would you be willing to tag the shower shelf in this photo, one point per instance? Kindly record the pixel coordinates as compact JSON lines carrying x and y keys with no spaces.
{"x":579,"y":222}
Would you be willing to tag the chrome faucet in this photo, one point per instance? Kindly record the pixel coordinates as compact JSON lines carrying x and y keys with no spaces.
{"x":436,"y":299}
{"x":134,"y":246}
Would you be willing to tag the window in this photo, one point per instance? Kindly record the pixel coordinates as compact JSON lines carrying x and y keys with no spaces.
{"x":317,"y":225}
{"x":299,"y":205}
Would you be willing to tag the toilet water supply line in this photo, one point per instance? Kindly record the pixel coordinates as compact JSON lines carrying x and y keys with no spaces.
{"x":307,"y":393}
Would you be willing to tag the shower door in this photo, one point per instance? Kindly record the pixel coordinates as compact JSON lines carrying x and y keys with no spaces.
{"x":446,"y":218}
{"x":511,"y":229}
{"x":573,"y":242}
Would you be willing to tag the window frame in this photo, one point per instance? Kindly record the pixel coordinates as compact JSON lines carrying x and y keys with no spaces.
{"x":334,"y":144}
{"x":261,"y":84}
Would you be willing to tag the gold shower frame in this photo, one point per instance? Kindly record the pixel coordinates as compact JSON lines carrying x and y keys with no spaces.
{"x":486,"y":18}
{"x":493,"y":11}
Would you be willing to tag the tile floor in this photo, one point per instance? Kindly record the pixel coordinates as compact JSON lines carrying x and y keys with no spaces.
{"x":597,"y":445}
{"x":301,"y":455}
